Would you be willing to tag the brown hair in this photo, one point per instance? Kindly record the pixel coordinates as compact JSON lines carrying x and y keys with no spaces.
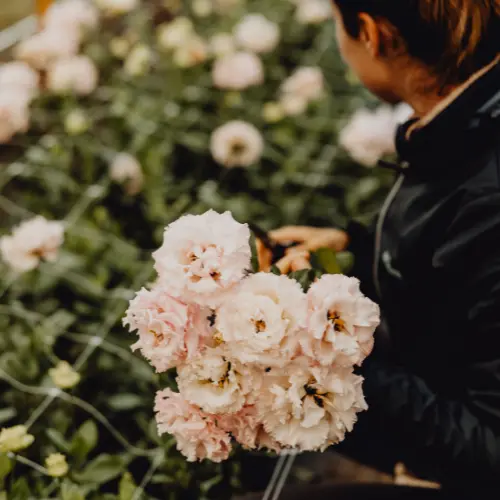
{"x":455,"y":38}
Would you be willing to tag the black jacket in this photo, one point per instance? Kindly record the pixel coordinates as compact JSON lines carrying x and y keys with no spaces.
{"x":433,"y":385}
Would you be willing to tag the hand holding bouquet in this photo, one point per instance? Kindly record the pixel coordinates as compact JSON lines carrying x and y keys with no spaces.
{"x":261,"y":358}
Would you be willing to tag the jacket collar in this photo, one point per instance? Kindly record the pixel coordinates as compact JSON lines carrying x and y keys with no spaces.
{"x":459,"y":129}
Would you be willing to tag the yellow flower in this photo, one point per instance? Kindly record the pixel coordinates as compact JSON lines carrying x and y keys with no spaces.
{"x":273,"y":112}
{"x":64,"y":376}
{"x":56,"y":465}
{"x":15,"y":438}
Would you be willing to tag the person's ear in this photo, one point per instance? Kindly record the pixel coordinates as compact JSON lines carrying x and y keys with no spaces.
{"x":370,"y":34}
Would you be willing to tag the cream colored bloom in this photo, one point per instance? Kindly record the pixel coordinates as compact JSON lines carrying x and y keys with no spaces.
{"x":19,"y":77}
{"x":237,"y":144}
{"x":273,"y":112}
{"x":56,"y":465}
{"x":257,"y":34}
{"x":139,"y":60}
{"x":305,"y":85}
{"x":119,"y":47}
{"x":77,"y":75}
{"x":175,"y":34}
{"x":31,"y":241}
{"x":75,"y":15}
{"x":313,"y":11}
{"x":15,"y":439}
{"x":193,"y":52}
{"x":64,"y":376}
{"x":14,"y":113}
{"x":126,"y":170}
{"x":222,"y":44}
{"x":202,"y":8}
{"x":293,"y":104}
{"x":117,"y":7}
{"x":76,"y":122}
{"x":238,"y":71}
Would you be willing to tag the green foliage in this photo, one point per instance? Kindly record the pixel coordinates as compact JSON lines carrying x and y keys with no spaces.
{"x":71,"y":309}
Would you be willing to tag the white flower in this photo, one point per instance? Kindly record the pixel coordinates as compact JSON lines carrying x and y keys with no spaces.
{"x":56,"y":465}
{"x":311,"y":408}
{"x":14,"y":113}
{"x":77,"y":74}
{"x":169,"y":330}
{"x":262,"y":322}
{"x":175,"y":34}
{"x":238,"y":71}
{"x":139,"y":60}
{"x":215,"y":383}
{"x":257,"y":34}
{"x":126,"y":170}
{"x":42,"y":49}
{"x":203,"y":257}
{"x":202,"y":8}
{"x":222,"y":44}
{"x":64,"y":376}
{"x":31,"y":241}
{"x":370,"y":135}
{"x":342,"y":322}
{"x":237,"y":144}
{"x":119,"y":47}
{"x":117,"y":7}
{"x":15,"y":438}
{"x":306,"y":84}
{"x":76,"y":122}
{"x":193,"y":52}
{"x":19,"y":77}
{"x":75,"y":15}
{"x":313,"y":11}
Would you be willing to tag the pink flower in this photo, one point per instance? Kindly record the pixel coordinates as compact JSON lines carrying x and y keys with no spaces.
{"x":14,"y":114}
{"x":203,"y":257}
{"x":76,"y":74}
{"x":169,"y":330}
{"x":342,"y":322}
{"x":238,"y":71}
{"x":305,"y":85}
{"x":18,"y":77}
{"x":198,"y":435}
{"x":74,"y":15}
{"x":261,"y":323}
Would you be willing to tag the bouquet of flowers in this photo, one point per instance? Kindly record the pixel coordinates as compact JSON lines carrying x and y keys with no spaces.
{"x":261,"y":358}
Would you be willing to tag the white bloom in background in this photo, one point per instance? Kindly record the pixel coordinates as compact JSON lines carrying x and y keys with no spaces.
{"x":313,"y":11}
{"x":238,"y":71}
{"x":194,"y":51}
{"x":138,"y":61}
{"x":237,"y":144}
{"x":202,"y":8}
{"x":75,"y":15}
{"x":169,"y":330}
{"x":222,"y":44}
{"x":125,"y":169}
{"x":257,"y":34}
{"x":203,"y":257}
{"x":293,"y":105}
{"x":76,"y":122}
{"x":15,"y":438}
{"x":31,"y":241}
{"x":119,"y":47}
{"x":175,"y":34}
{"x":64,"y":376}
{"x":311,"y":408}
{"x":215,"y":383}
{"x":116,"y":7}
{"x":273,"y":112}
{"x":370,"y":135}
{"x":262,"y":322}
{"x":76,"y":74}
{"x":42,"y":49}
{"x":19,"y":77}
{"x":14,"y":113}
{"x":342,"y":322}
{"x":306,"y":84}
{"x":56,"y":465}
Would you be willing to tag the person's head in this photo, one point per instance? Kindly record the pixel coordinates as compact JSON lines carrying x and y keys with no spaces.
{"x":401,"y":46}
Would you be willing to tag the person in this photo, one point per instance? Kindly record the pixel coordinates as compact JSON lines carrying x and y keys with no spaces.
{"x":432,"y":258}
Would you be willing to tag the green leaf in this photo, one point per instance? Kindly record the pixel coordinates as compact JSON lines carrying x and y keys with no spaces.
{"x":58,"y":439}
{"x":84,"y":440}
{"x":123,"y":402}
{"x":255,"y":255}
{"x":275,"y":270}
{"x":20,"y":490}
{"x":305,"y":277}
{"x":6,"y":414}
{"x":70,"y":491}
{"x":5,"y":467}
{"x":127,"y":487}
{"x":326,"y":258}
{"x":346,"y":261}
{"x":102,"y":469}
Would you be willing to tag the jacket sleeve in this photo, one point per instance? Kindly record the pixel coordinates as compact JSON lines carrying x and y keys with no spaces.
{"x":446,"y":439}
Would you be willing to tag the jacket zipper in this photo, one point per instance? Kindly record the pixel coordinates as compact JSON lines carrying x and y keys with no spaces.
{"x":378,"y":232}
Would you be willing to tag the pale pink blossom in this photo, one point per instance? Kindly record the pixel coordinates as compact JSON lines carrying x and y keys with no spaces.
{"x":342,"y":322}
{"x":203,"y":257}
{"x":74,"y":15}
{"x":47,"y":46}
{"x":216,"y":383}
{"x":125,"y":169}
{"x":170,"y":331}
{"x":305,"y":85}
{"x":262,"y":321}
{"x":76,"y":74}
{"x":237,"y":144}
{"x":19,"y":77}
{"x":256,"y":33}
{"x":14,"y":114}
{"x":238,"y":71}
{"x":310,"y":408}
{"x":313,"y":11}
{"x":198,"y":435}
{"x":32,"y":241}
